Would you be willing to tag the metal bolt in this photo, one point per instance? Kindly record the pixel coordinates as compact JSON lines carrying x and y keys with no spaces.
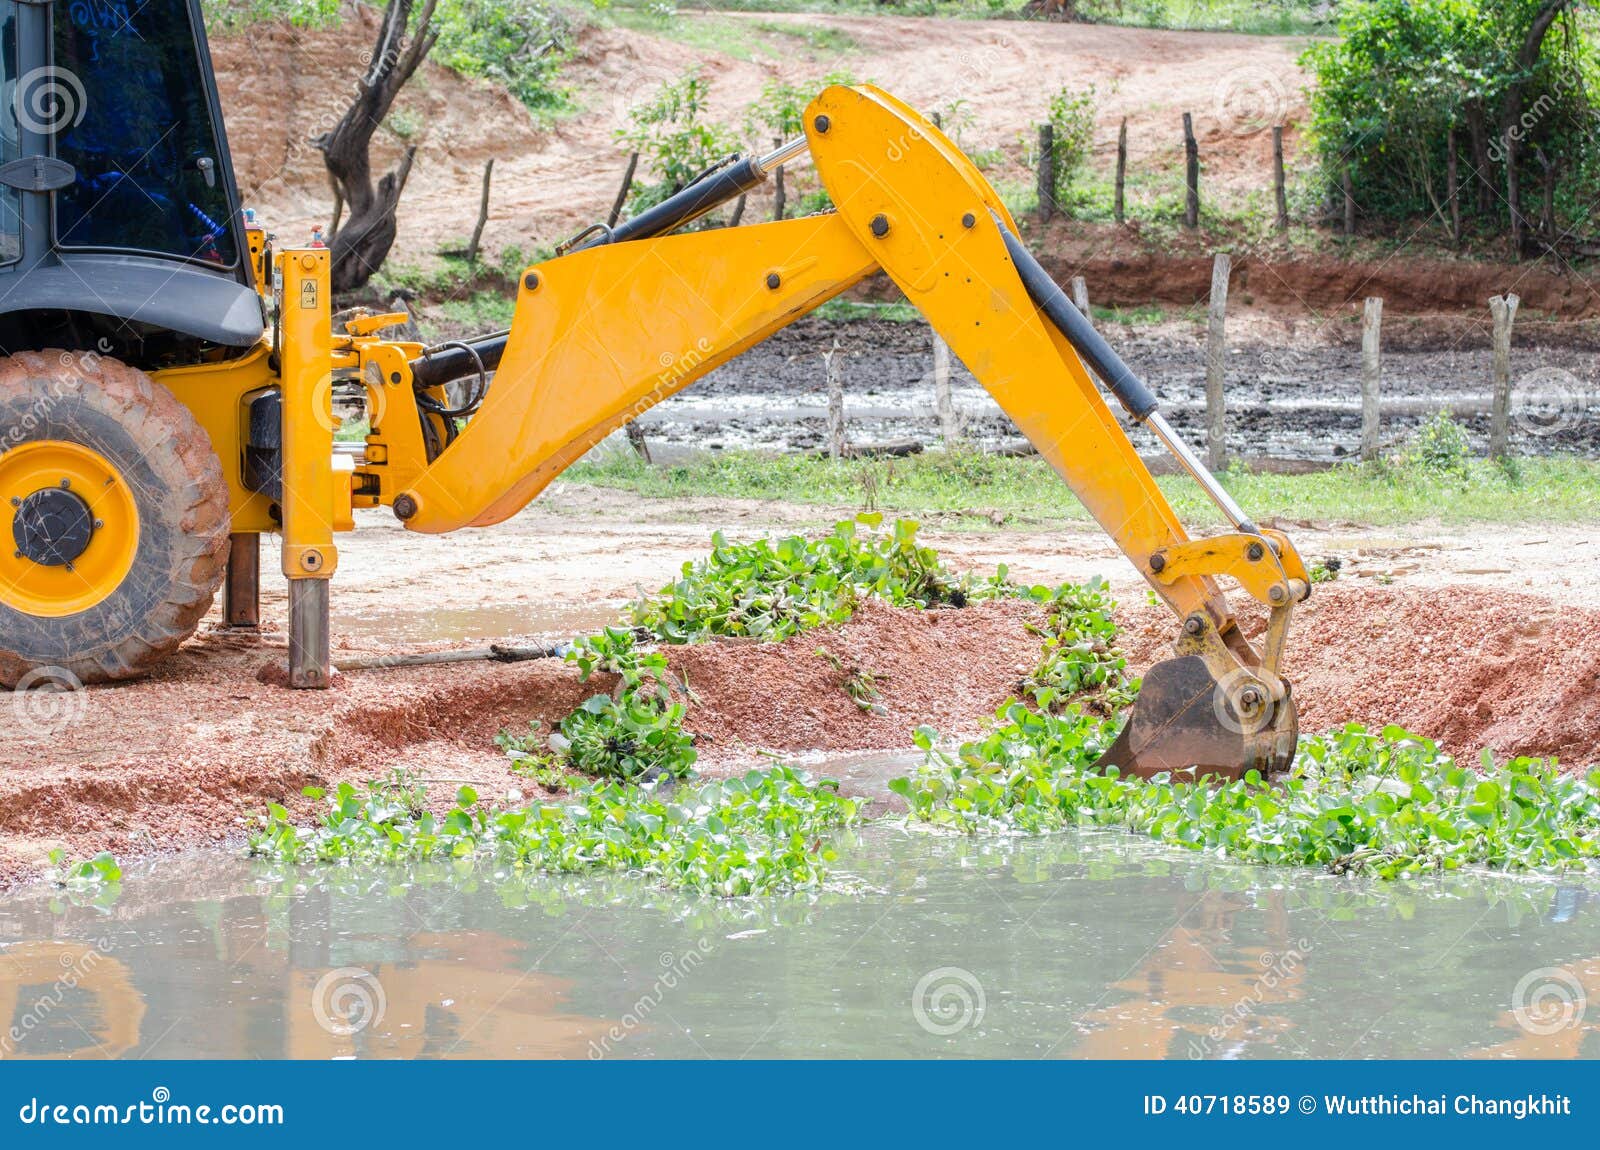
{"x":99,"y":523}
{"x":69,"y":565}
{"x":773,"y":280}
{"x":311,"y":560}
{"x":394,"y":377}
{"x":880,"y":225}
{"x":1277,"y":593}
{"x":531,"y":281}
{"x":16,"y":555}
{"x":822,"y":124}
{"x":969,"y":220}
{"x":405,"y":506}
{"x":1255,"y":553}
{"x":1249,"y":699}
{"x":1158,"y":562}
{"x":15,"y":502}
{"x":65,"y":484}
{"x":1193,"y":625}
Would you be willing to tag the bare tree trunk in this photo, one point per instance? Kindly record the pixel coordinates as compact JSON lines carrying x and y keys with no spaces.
{"x":1480,"y":158}
{"x":1452,"y":187}
{"x":1503,"y":310}
{"x":362,"y":244}
{"x":1511,"y":127}
{"x":838,"y":445}
{"x":1371,"y":374}
{"x":1047,"y":171}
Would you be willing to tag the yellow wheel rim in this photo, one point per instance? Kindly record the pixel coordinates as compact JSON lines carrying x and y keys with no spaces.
{"x":51,"y":590}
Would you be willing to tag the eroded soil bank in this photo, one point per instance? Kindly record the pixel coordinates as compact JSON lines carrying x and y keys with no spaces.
{"x":1429,"y":638}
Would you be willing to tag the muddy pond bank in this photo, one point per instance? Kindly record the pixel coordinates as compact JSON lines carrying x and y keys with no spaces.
{"x":1291,"y":396}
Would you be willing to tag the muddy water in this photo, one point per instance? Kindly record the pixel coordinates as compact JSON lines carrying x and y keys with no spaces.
{"x":489,"y":621}
{"x":1091,"y":945}
{"x":1294,"y":403}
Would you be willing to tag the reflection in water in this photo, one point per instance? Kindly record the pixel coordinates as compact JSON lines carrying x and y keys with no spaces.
{"x":1091,"y":945}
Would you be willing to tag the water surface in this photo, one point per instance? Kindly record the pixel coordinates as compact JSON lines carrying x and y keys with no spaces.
{"x":1084,"y":945}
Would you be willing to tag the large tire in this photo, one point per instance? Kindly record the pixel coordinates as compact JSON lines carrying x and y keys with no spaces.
{"x":171,"y":489}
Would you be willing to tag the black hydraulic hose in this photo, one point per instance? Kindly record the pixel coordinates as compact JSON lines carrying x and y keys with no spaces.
{"x":1130,"y":390}
{"x":690,"y":204}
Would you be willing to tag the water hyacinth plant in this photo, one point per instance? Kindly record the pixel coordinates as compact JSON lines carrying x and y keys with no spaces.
{"x":758,"y":833}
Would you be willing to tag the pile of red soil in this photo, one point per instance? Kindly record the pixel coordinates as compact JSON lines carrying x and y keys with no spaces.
{"x":1473,"y":669}
{"x":184,"y":757}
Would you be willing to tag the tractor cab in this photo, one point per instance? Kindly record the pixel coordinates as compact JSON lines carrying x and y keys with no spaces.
{"x":120,"y":228}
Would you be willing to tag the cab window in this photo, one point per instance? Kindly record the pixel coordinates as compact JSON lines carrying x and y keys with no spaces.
{"x":141,"y":139}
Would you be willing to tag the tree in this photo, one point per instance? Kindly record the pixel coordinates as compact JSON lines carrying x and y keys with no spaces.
{"x":361,"y":244}
{"x":1408,"y":78}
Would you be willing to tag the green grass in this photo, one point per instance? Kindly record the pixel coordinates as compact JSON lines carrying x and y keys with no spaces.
{"x":1551,"y":490}
{"x":741,"y":39}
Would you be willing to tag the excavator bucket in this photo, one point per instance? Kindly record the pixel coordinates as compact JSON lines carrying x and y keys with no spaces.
{"x":1188,"y":723}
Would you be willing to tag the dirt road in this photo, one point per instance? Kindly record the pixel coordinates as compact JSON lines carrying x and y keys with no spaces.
{"x":1480,"y":640}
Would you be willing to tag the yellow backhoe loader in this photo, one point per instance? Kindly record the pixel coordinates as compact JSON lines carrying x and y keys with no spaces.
{"x":166,"y":396}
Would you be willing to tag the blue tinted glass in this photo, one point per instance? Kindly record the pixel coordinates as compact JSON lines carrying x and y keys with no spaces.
{"x":142,"y":141}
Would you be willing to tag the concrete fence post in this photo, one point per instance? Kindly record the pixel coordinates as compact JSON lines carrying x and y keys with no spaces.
{"x":1371,"y":321}
{"x":1216,"y":363}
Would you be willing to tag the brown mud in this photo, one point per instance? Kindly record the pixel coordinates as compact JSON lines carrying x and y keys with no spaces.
{"x":1438,"y":633}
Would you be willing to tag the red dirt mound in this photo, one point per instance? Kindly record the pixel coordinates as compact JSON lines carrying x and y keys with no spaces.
{"x":1473,"y":669}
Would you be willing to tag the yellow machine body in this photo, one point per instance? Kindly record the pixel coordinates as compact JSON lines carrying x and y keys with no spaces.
{"x":603,"y":333}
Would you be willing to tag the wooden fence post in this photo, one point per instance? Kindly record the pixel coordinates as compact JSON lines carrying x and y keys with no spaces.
{"x":1080,"y":295}
{"x":943,"y":401}
{"x":1279,"y":191}
{"x":1371,"y":321}
{"x":1216,"y":364}
{"x":1122,"y":169}
{"x":483,"y":213}
{"x":1504,"y":310}
{"x":635,"y":435}
{"x":836,"y":438}
{"x":1349,"y":204}
{"x":622,"y":193}
{"x":1047,"y":171}
{"x":778,"y":196}
{"x":1191,"y":165}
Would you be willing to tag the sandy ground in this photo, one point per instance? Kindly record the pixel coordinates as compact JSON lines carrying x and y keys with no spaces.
{"x":1477,"y":639}
{"x":282,"y":86}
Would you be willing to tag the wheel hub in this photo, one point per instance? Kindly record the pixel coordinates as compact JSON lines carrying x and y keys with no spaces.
{"x":52,"y":527}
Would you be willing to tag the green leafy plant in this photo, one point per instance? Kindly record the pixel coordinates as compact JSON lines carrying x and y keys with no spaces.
{"x":1440,"y":446}
{"x":860,"y":683}
{"x":1080,"y":662}
{"x":754,"y":834}
{"x":773,"y":589}
{"x":90,"y":874}
{"x":1072,"y":112}
{"x":1388,"y":802}
{"x":674,"y":137}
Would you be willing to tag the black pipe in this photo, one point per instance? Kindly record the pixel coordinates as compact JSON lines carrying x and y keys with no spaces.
{"x":690,"y":204}
{"x":1129,"y":389}
{"x":440,"y":367}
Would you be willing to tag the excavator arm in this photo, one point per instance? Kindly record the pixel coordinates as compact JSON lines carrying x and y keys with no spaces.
{"x":601,"y":334}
